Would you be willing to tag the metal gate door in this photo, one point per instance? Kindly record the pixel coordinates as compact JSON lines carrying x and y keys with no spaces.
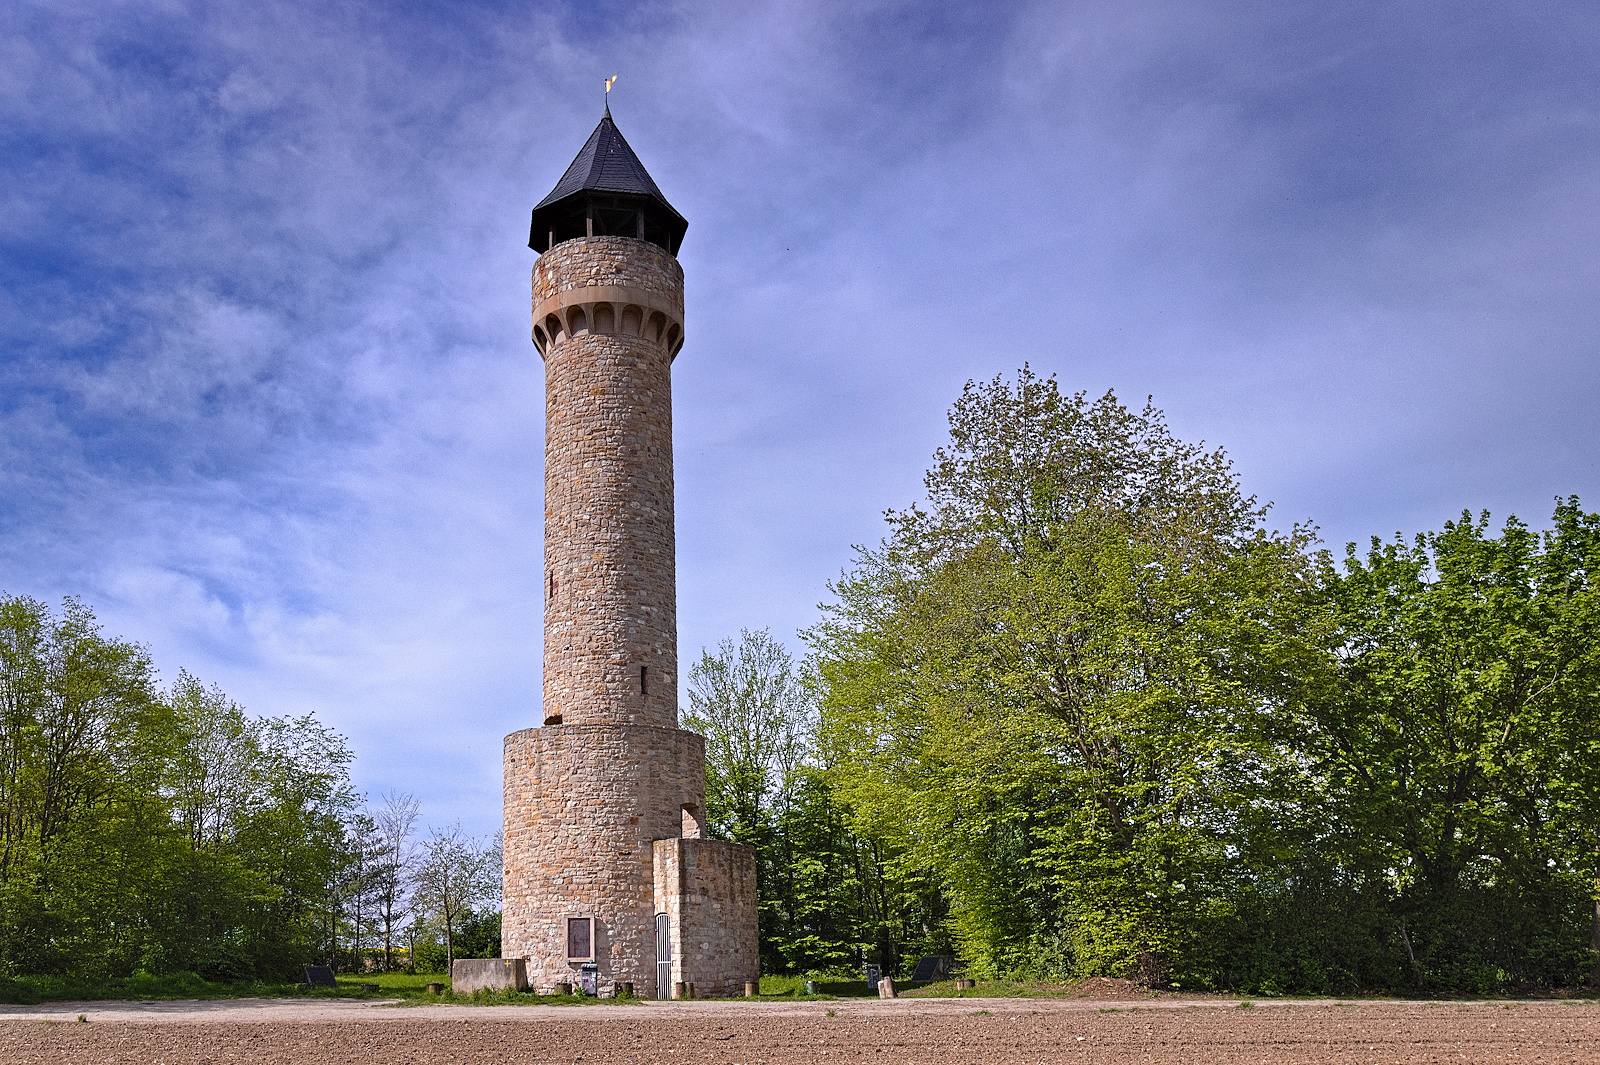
{"x":663,"y":956}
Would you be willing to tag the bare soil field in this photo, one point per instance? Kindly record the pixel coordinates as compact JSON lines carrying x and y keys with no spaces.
{"x":902,"y":1032}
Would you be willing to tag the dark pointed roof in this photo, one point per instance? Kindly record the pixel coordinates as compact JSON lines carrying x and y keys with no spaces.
{"x":606,"y":192}
{"x":606,"y":164}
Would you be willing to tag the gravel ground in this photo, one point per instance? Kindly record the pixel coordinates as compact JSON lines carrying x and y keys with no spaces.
{"x":904,"y":1032}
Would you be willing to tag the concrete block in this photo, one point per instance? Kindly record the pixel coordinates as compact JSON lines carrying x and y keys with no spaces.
{"x":495,"y":974}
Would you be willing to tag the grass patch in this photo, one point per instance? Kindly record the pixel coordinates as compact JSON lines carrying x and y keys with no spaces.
{"x":996,"y":989}
{"x":793,"y":988}
{"x":410,"y":988}
{"x":140,"y":987}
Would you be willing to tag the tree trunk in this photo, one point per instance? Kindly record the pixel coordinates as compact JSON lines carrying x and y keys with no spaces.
{"x":1594,"y":937}
{"x":1411,"y":956}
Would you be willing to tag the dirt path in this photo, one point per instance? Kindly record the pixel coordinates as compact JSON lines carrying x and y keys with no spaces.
{"x":904,"y":1032}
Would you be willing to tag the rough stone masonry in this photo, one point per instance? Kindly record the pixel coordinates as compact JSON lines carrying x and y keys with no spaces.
{"x":605,"y":862}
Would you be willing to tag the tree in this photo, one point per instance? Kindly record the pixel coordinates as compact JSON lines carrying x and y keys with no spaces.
{"x":83,"y":739}
{"x":1459,"y":754}
{"x":396,"y":820}
{"x":1052,"y":689}
{"x":149,"y":830}
{"x":454,"y":873}
{"x":748,"y":702}
{"x":363,"y":862}
{"x":757,"y":715}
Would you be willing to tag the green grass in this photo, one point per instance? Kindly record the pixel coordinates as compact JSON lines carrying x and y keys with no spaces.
{"x":143,"y":987}
{"x":410,"y":988}
{"x":991,"y":989}
{"x":793,"y":988}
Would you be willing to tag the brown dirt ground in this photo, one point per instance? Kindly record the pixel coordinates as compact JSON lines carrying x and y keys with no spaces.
{"x":903,"y":1032}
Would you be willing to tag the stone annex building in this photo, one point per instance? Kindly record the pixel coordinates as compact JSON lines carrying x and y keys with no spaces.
{"x":608,"y":875}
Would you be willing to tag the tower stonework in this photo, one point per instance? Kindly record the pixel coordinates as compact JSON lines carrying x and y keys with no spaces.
{"x":605,"y":860}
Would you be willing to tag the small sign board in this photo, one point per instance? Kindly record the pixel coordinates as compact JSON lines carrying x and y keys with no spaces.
{"x":589,"y":978}
{"x":874,"y":974}
{"x":934,"y":967}
{"x":580,"y":938}
{"x":320,"y":976}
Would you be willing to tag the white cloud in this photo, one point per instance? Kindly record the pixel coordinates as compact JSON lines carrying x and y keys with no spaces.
{"x":269,"y":403}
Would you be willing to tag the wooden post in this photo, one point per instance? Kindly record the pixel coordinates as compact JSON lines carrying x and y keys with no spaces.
{"x":749,"y":989}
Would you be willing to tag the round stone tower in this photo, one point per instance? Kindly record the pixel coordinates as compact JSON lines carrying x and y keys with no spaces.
{"x":603,"y":803}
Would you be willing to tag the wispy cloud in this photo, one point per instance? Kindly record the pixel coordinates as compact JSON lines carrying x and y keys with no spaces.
{"x":268,"y":402}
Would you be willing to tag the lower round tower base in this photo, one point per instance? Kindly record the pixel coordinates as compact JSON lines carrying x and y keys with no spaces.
{"x":606,"y":876}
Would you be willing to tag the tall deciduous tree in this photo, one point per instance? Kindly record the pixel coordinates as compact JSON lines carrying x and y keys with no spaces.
{"x":750,"y":704}
{"x":1460,"y":752}
{"x":148,"y":830}
{"x":454,"y":873}
{"x":1051,"y":687}
{"x":396,"y":822}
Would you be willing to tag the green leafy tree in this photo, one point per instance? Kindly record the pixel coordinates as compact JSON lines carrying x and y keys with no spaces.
{"x":155,"y":831}
{"x":750,"y":704}
{"x":82,"y":741}
{"x":453,"y":874}
{"x":1051,"y":690}
{"x":1460,"y":752}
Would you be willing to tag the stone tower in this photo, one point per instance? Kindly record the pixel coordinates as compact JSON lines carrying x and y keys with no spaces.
{"x":607,"y":873}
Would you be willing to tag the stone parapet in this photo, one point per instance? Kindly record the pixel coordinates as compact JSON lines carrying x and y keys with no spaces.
{"x":608,"y":285}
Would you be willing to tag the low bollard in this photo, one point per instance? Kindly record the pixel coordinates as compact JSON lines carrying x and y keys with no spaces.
{"x":749,"y":989}
{"x":680,"y":990}
{"x":966,"y":985}
{"x":886,"y":987}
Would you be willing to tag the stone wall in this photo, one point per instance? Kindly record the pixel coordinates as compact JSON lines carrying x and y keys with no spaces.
{"x":488,"y":974}
{"x":708,"y":889}
{"x":584,"y":805}
{"x":613,"y":310}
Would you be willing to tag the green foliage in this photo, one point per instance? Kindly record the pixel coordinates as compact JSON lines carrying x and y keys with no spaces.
{"x":825,"y":902}
{"x":1089,"y":716}
{"x":479,"y":936}
{"x":149,"y":832}
{"x":1459,"y":755}
{"x":1050,"y":690}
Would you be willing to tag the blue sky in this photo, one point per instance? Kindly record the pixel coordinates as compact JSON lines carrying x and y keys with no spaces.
{"x":268,"y":402}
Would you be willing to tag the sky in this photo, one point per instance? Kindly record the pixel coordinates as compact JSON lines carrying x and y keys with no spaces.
{"x":269,"y":406}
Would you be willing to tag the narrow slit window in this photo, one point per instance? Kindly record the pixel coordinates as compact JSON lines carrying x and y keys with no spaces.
{"x":552,"y":586}
{"x":644,"y":680}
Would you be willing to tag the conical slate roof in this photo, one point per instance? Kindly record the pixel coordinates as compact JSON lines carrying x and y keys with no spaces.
{"x":606,"y":192}
{"x":606,"y":164}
